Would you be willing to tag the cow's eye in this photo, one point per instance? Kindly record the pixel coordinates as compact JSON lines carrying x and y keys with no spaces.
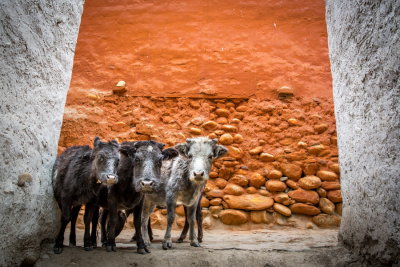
{"x":190,"y":156}
{"x":101,"y":158}
{"x":210,"y":157}
{"x":116,"y":162}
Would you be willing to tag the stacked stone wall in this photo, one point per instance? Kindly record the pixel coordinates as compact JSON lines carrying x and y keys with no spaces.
{"x":282,"y":166}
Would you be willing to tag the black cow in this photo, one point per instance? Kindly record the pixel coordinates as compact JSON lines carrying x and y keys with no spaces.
{"x":78,"y":175}
{"x":139,"y":173}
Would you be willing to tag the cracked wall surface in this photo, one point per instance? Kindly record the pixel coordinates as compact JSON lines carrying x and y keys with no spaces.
{"x":37,"y":47}
{"x":365,"y":61}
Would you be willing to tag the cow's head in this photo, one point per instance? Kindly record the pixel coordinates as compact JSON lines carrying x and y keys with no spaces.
{"x":147,"y":162}
{"x":105,"y":158}
{"x":200,"y":152}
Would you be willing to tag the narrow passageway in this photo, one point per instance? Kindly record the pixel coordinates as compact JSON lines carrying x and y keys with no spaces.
{"x":309,"y":178}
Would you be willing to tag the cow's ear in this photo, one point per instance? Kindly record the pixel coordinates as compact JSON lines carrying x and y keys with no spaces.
{"x":182,"y":148}
{"x":114,"y":142}
{"x":96,"y":141}
{"x":160,"y":145}
{"x":170,"y":153}
{"x":127,"y":151}
{"x":219,"y":151}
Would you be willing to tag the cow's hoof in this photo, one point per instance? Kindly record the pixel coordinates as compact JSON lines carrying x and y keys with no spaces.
{"x":94,"y":245}
{"x":111,"y":248}
{"x":72,"y":244}
{"x":167,"y":244}
{"x":133,"y":239}
{"x":200,"y":240}
{"x":143,"y":250}
{"x":88,"y":248}
{"x":195,"y":244}
{"x":103,"y":244}
{"x":58,"y":250}
{"x":180,"y":240}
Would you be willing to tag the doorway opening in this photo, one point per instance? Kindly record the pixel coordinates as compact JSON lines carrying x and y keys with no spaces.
{"x":255,"y":76}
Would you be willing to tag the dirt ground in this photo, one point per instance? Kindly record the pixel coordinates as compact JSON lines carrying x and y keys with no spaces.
{"x":283,"y":247}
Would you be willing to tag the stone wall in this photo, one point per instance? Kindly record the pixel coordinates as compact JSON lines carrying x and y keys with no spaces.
{"x":282,"y":151}
{"x":364,"y":40}
{"x":36,"y":49}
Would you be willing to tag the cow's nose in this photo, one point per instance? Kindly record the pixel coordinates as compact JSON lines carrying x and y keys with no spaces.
{"x":147,"y":183}
{"x":111,"y":179}
{"x":198,"y":174}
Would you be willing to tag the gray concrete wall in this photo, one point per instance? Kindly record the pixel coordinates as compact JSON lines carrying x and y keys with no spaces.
{"x":37,"y":42}
{"x":364,"y":51}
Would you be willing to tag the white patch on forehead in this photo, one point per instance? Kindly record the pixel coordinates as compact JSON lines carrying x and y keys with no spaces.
{"x":200,"y":148}
{"x":149,"y":148}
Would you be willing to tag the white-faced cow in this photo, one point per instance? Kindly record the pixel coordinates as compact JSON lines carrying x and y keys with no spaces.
{"x":182,"y":182}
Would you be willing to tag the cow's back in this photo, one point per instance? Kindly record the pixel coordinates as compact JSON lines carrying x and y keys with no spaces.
{"x":71,"y":161}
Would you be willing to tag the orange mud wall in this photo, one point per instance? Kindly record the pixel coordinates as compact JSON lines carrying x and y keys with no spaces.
{"x":255,"y":75}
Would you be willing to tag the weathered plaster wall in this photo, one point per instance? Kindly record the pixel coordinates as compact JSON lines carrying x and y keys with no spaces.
{"x":365,"y":60}
{"x":36,"y":49}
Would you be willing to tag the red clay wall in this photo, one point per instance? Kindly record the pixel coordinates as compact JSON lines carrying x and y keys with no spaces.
{"x":219,"y":69}
{"x":204,"y":48}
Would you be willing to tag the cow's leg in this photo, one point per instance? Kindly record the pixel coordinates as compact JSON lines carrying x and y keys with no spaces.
{"x":199,"y":218}
{"x":137,"y":214}
{"x":148,"y":208}
{"x":171,"y":205}
{"x":72,"y":233}
{"x":150,"y":231}
{"x":87,"y":218}
{"x":65,"y":218}
{"x":185,"y":227}
{"x":112,"y":222}
{"x":128,"y":212}
{"x":192,"y":219}
{"x":103,"y":223}
{"x":95,"y":220}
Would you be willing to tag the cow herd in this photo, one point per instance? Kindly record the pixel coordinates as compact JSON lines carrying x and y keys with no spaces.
{"x":132,"y":177}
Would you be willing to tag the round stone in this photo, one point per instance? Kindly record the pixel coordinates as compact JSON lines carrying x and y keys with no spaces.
{"x":249,"y":202}
{"x":233,"y":217}
{"x":234,"y":189}
{"x":274,"y":174}
{"x":305,"y":196}
{"x":326,"y":205}
{"x":327,"y":175}
{"x":285,"y":211}
{"x":275,"y":186}
{"x":301,"y":208}
{"x":238,"y":139}
{"x":309,"y":182}
{"x":256,"y":180}
{"x":226,"y":139}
